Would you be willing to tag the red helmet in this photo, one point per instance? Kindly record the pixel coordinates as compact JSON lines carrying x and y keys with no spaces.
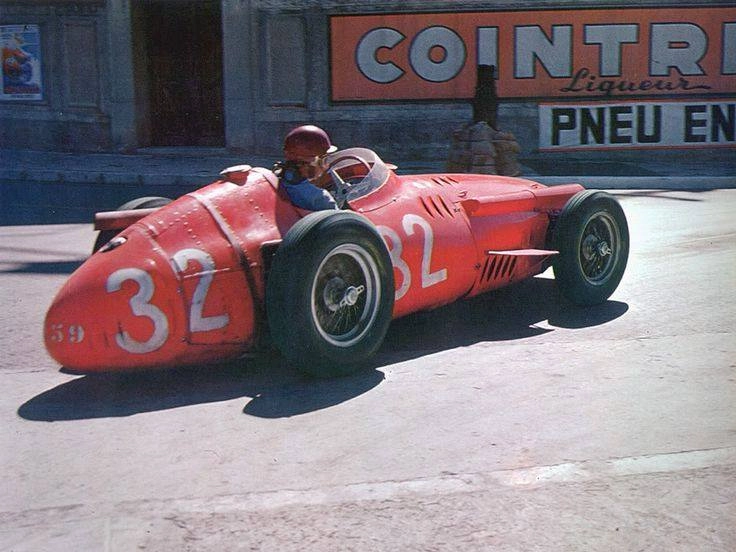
{"x":306,"y":142}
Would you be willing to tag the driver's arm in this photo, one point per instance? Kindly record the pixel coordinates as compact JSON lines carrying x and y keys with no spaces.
{"x":324,"y":181}
{"x":307,"y":196}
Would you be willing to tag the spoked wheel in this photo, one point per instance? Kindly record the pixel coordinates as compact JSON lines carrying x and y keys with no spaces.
{"x":592,"y":237}
{"x":330,"y":293}
{"x":600,"y":247}
{"x":346,"y":295}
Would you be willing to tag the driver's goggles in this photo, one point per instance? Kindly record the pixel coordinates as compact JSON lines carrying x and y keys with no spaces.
{"x":316,"y":162}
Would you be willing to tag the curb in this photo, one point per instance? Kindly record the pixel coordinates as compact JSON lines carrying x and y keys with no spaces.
{"x":641,"y":182}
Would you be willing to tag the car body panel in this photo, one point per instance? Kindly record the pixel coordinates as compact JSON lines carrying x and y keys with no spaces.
{"x":429,"y":241}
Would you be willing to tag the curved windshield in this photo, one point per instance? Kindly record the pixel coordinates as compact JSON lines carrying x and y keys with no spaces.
{"x":361,"y":169}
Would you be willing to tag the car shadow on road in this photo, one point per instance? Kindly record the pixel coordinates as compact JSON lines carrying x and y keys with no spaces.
{"x":278,"y":390}
{"x":530,"y":308}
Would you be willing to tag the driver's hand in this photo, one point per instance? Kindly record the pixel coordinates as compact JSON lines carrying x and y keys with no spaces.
{"x":324,"y":181}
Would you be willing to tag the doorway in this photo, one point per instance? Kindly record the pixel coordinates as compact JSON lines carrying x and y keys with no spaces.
{"x":182,"y":72}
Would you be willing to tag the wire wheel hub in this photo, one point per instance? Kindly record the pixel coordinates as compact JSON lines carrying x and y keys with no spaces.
{"x":345,"y":295}
{"x":599,"y":247}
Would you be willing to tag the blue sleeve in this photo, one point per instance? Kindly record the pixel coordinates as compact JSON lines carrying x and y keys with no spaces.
{"x":308,"y":196}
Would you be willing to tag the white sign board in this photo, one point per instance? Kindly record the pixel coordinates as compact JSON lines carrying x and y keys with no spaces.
{"x":637,"y":125}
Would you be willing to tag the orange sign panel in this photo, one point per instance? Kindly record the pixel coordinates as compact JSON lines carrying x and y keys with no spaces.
{"x":594,"y":53}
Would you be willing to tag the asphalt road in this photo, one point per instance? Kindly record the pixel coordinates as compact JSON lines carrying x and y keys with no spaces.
{"x":507,"y":422}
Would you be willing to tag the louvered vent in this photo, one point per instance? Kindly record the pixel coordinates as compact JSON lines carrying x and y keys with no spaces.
{"x":437,"y":207}
{"x":444,"y":181}
{"x":498,"y":267}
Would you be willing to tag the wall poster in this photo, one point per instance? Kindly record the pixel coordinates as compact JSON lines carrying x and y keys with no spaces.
{"x":21,"y":62}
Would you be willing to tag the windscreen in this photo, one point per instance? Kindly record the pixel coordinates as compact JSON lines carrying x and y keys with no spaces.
{"x":355,"y":158}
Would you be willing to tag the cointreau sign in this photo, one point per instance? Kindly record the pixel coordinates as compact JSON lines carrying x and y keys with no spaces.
{"x":596,"y":53}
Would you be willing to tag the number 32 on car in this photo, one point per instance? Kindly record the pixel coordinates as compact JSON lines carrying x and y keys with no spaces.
{"x":410,"y":223}
{"x":140,"y":304}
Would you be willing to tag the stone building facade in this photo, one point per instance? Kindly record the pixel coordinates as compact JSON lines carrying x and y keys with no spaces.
{"x":119,"y":75}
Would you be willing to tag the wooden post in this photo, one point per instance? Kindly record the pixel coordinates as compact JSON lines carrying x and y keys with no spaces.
{"x":479,"y":147}
{"x":485,"y":101}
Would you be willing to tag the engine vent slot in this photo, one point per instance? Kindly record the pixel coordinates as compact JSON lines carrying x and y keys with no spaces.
{"x":436,"y":206}
{"x":444,"y":180}
{"x":498,"y":267}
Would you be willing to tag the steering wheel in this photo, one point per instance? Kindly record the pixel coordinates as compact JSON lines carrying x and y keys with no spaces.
{"x":341,"y":186}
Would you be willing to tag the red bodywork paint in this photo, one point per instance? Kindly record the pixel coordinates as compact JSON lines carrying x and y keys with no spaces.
{"x":185,"y":284}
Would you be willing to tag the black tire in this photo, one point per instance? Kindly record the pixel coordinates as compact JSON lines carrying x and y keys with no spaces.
{"x":105,"y":236}
{"x":592,"y":237}
{"x":330,"y":293}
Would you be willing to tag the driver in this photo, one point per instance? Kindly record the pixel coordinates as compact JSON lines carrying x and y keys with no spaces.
{"x":304,"y":148}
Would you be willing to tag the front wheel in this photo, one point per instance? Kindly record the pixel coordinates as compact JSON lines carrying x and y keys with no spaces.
{"x":330,"y":293}
{"x":592,"y":237}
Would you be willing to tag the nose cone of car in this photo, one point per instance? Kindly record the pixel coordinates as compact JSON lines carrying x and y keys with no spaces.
{"x":109,"y":314}
{"x":73,"y":322}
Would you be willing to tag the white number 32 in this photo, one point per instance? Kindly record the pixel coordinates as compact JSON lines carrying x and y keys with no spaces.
{"x":396,"y":249}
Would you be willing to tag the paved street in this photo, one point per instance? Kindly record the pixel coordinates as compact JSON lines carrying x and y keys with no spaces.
{"x":512,"y":421}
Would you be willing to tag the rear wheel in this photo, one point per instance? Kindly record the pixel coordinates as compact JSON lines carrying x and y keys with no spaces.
{"x":330,"y":293}
{"x":150,"y":202}
{"x":592,"y":237}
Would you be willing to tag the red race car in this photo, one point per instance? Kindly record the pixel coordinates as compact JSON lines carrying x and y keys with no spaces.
{"x":214,"y":273}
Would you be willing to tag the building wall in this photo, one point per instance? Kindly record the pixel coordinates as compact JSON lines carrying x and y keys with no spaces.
{"x":422,"y":128}
{"x":276,"y":75}
{"x":73,"y":113}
